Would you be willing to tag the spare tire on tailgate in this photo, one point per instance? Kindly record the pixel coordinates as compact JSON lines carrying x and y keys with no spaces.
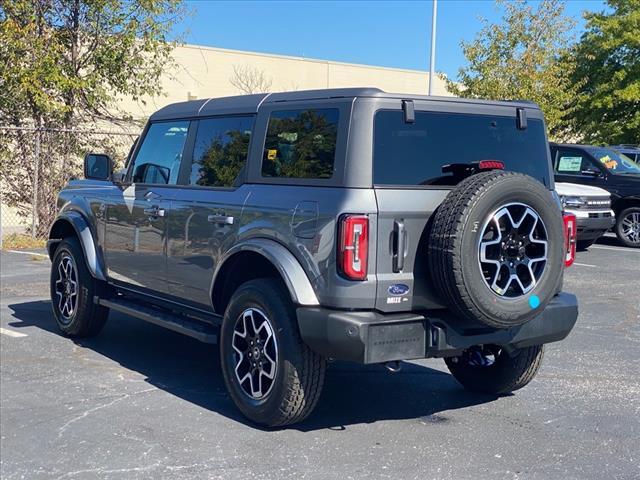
{"x":496,"y":249}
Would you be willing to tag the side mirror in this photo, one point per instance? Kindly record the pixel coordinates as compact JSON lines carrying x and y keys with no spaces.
{"x":591,"y":173}
{"x":97,"y":166}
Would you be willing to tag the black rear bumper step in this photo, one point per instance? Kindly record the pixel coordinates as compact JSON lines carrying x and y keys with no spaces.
{"x":373,"y":337}
{"x":178,"y":323}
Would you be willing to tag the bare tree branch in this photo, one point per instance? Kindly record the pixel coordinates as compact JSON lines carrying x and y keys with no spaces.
{"x":249,"y":79}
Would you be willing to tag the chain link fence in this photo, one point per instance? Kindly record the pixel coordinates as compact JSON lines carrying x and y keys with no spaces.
{"x":36,"y":163}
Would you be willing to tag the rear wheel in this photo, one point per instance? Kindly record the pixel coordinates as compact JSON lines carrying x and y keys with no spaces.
{"x":72,"y":292}
{"x":270,"y":373}
{"x":491,"y":369}
{"x":628,"y":227}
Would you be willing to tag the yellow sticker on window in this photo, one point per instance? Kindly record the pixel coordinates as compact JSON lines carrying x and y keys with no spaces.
{"x":271,"y":154}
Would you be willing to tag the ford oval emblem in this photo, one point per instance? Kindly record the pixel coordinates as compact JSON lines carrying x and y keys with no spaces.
{"x":398,"y":289}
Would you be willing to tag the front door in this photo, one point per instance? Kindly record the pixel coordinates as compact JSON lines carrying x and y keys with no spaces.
{"x":137,"y":216}
{"x":206,"y":216}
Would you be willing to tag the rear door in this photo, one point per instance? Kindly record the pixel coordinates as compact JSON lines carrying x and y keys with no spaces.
{"x":206,"y":214}
{"x":408,"y":177}
{"x":136,"y":217}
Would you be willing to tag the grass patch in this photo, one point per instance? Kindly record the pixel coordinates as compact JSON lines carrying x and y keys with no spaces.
{"x":20,"y":241}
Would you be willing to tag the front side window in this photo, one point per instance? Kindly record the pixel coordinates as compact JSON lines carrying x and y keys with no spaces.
{"x":159,"y":157}
{"x":411,"y":154}
{"x":301,"y":144}
{"x":220,"y":151}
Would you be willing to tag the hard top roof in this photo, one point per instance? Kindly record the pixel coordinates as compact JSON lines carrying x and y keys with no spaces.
{"x":250,"y":103}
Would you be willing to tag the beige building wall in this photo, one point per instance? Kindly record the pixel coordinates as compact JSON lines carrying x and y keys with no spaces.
{"x":204,"y":72}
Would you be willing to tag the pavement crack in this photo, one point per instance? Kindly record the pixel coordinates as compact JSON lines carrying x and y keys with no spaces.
{"x":86,"y":413}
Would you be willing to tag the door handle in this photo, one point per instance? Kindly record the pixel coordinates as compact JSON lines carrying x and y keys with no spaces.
{"x":400,"y":245}
{"x":154,"y":212}
{"x":221,"y":219}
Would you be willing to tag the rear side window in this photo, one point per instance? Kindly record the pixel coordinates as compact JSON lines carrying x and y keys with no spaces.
{"x":414,"y":153}
{"x":301,"y":144}
{"x":220,"y":151}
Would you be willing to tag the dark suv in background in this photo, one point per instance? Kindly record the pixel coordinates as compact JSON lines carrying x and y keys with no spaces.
{"x":606,"y":168}
{"x":347,"y":224}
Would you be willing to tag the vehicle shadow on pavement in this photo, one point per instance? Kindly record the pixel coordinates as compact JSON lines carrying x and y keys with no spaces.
{"x":353,"y":394}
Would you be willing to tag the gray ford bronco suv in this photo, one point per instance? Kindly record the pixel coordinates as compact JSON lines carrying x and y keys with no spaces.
{"x":350,"y":224}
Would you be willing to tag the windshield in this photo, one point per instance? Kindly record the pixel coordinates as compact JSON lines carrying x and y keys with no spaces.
{"x":615,"y":162}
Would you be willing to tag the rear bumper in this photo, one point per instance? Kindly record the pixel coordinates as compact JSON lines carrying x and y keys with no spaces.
{"x":372,"y":337}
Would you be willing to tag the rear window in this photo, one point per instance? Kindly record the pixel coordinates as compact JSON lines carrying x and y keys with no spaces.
{"x":414,"y":153}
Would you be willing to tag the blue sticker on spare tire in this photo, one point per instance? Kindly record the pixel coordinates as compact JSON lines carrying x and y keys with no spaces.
{"x":398,"y":289}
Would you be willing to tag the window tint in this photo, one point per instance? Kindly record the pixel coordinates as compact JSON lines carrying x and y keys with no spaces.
{"x":158,"y":160}
{"x":301,"y":144}
{"x":414,"y":153}
{"x":220,"y":151}
{"x":571,"y":162}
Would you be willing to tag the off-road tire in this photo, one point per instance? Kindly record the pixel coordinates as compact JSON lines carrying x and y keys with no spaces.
{"x":88,"y":318}
{"x":454,"y":239}
{"x":300,"y":371}
{"x":507,"y":374}
{"x":618,"y":227}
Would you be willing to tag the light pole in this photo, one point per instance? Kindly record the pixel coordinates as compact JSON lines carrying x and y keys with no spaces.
{"x":432,"y":66}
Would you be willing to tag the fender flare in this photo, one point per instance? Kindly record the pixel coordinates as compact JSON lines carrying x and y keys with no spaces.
{"x":81,"y":227}
{"x":289,"y":268}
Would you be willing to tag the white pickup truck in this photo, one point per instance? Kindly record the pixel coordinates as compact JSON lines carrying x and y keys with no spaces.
{"x":592,"y":208}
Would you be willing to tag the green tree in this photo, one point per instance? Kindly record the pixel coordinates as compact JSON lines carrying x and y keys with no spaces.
{"x":523,"y":57}
{"x":608,"y":70}
{"x":65,"y":64}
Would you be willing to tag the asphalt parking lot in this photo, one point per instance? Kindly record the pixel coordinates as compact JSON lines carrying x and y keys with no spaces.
{"x":142,"y":402}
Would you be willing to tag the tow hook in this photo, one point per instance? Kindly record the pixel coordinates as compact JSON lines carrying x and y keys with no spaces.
{"x":393,"y":367}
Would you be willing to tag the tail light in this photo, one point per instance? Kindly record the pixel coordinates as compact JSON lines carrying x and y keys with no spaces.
{"x":570,"y":238}
{"x":353,"y":251}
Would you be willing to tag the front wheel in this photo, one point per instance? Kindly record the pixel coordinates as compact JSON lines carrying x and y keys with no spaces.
{"x":490,"y":369}
{"x":628,"y":227}
{"x":271,"y":374}
{"x":72,"y":292}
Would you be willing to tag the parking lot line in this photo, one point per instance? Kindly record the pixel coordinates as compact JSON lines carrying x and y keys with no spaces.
{"x":584,"y":265}
{"x":618,"y":249}
{"x":11,"y":333}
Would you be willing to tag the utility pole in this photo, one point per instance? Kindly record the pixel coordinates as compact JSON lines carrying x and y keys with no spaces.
{"x":432,"y":66}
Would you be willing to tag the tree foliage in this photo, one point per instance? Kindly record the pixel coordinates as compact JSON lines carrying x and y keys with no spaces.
{"x":608,"y":70}
{"x":65,"y":64}
{"x":523,"y":57}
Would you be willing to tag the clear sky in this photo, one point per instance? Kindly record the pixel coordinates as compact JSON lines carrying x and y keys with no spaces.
{"x":387,"y":33}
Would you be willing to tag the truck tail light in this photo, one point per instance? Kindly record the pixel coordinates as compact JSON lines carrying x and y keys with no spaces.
{"x":570,"y":238}
{"x":353,"y":250}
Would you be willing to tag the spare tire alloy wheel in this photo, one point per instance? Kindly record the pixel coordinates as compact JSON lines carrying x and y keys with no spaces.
{"x":495,"y":249}
{"x":256,"y":352}
{"x":513,"y":250}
